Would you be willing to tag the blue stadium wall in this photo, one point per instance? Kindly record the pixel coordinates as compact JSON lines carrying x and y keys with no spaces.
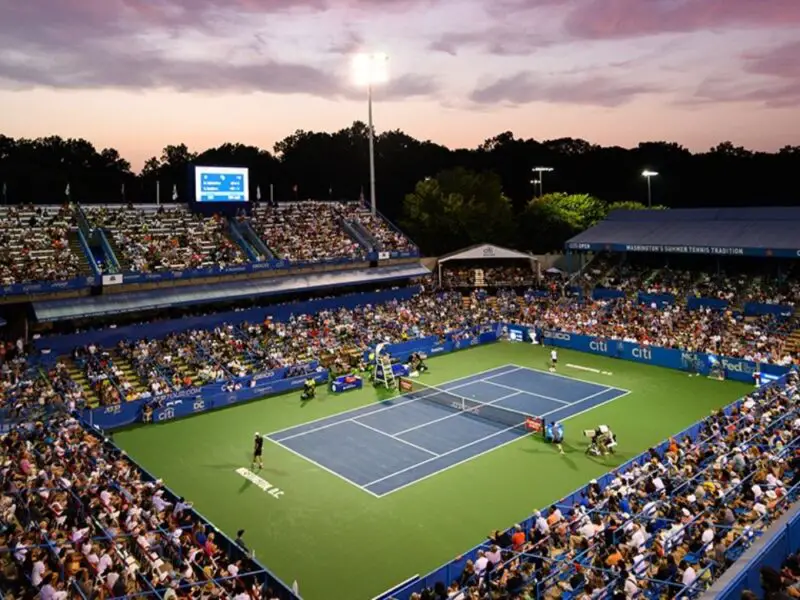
{"x":60,"y":345}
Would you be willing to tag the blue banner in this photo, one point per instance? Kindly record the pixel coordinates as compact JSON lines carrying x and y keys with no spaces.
{"x":47,"y":287}
{"x":346,"y":383}
{"x":705,"y":250}
{"x":606,"y":294}
{"x":194,"y":400}
{"x":736,"y":369}
{"x":258,"y":267}
{"x":694,"y":303}
{"x":433,"y":345}
{"x":758,"y":309}
{"x":658,"y":299}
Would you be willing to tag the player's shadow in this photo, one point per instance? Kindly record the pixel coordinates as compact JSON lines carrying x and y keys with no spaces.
{"x":543,"y":448}
{"x":609,"y":460}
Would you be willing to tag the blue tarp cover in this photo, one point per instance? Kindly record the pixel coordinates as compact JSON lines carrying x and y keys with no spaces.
{"x":746,"y":231}
{"x":78,"y":308}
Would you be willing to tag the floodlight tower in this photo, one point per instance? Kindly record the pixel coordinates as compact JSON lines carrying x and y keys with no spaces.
{"x":649,"y":175}
{"x":371,"y":69}
{"x":541,"y":171}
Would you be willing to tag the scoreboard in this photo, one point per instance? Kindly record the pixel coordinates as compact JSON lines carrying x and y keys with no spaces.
{"x":221,"y":184}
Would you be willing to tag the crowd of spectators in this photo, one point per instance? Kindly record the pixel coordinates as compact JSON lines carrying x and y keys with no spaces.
{"x":736,"y":287}
{"x":759,"y":339}
{"x":34,"y":244}
{"x":227,"y":352}
{"x":663,"y":528}
{"x":166,"y":238}
{"x":469,"y":277}
{"x":307,"y":231}
{"x":79,"y":520}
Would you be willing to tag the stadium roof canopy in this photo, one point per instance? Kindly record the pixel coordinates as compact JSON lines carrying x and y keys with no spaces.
{"x":484,"y":252}
{"x":724,"y":231}
{"x":95,"y":306}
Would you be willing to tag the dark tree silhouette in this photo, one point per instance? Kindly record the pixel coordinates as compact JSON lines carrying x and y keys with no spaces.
{"x":334,"y":165}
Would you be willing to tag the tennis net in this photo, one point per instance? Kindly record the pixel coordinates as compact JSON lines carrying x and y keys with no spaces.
{"x":489,"y":412}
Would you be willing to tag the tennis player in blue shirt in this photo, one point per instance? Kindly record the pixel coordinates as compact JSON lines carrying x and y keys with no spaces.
{"x":554,"y":433}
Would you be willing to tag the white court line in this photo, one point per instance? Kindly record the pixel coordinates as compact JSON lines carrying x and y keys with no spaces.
{"x":396,"y":404}
{"x":427,"y":460}
{"x":493,"y":448}
{"x":591,"y":407}
{"x":461,"y":462}
{"x":542,"y":396}
{"x":323,"y":467}
{"x":551,"y":374}
{"x":389,"y":435}
{"x":457,"y":414}
{"x":366,"y":414}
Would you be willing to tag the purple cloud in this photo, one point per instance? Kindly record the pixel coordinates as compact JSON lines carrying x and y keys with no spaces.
{"x":616,"y":19}
{"x":524,"y":88}
{"x":499,"y":41}
{"x":98,"y":44}
{"x":780,"y":64}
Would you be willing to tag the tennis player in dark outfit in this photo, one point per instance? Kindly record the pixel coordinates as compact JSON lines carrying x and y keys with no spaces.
{"x":258,"y":448}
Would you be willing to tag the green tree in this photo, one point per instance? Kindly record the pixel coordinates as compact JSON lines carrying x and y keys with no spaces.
{"x":458,"y":208}
{"x":549,"y":221}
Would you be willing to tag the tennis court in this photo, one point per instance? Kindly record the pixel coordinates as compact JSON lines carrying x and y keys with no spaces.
{"x":390,"y":445}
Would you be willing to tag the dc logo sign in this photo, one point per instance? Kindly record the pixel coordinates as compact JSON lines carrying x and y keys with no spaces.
{"x":198,"y":405}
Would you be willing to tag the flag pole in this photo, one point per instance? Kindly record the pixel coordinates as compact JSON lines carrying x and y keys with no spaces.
{"x":158,"y":193}
{"x":271,"y":194}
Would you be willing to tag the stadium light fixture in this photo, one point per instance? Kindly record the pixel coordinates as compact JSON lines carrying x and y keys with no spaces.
{"x":370,"y":70}
{"x":541,"y":171}
{"x":649,"y":175}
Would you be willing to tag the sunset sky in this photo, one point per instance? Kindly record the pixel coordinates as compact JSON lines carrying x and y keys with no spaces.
{"x":140,"y":74}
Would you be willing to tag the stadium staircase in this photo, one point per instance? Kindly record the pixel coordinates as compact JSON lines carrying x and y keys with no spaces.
{"x":77,"y":375}
{"x":129,"y":372}
{"x":480,"y":278}
{"x":466,"y":301}
{"x":76,"y":248}
{"x":122,"y":257}
{"x":356,"y":231}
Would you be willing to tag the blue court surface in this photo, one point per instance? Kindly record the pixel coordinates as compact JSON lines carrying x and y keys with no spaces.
{"x":387,"y":446}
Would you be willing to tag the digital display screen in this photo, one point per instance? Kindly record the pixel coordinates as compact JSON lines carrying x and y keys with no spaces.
{"x":221,"y":184}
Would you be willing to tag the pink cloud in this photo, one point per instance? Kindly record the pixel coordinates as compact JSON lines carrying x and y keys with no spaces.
{"x":615,"y":19}
{"x":524,"y":88}
{"x":780,"y":64}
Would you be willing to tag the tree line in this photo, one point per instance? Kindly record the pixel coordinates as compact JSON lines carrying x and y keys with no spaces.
{"x":445,"y":198}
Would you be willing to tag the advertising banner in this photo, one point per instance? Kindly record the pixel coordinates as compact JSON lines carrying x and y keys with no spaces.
{"x":737,"y":369}
{"x":193,"y":400}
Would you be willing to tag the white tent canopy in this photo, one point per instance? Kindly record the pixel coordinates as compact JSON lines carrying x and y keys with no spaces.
{"x":484,"y":252}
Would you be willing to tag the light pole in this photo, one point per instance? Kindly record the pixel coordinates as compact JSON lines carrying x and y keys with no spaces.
{"x":534,"y":183}
{"x":371,"y":69}
{"x":649,"y":175}
{"x":541,"y":171}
